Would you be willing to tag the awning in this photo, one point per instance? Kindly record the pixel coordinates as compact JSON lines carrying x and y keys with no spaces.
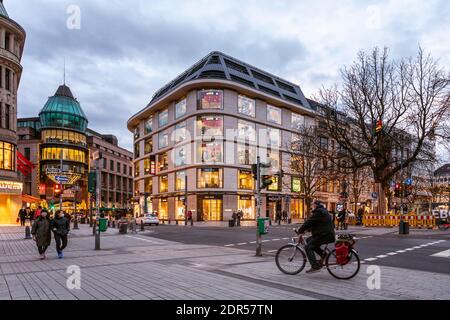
{"x":29,"y":199}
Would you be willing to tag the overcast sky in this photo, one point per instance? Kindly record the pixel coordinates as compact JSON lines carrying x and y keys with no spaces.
{"x":126,"y":50}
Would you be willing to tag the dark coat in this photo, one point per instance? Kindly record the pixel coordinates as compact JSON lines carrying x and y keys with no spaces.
{"x":41,"y":229}
{"x":61,"y":226}
{"x":22,"y":214}
{"x":320,"y":224}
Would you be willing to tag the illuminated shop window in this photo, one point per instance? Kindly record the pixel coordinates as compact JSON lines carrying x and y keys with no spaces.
{"x":246,"y":181}
{"x":148,"y":127}
{"x":148,"y":185}
{"x":163,"y":184}
{"x":211,"y":99}
{"x":211,"y":152}
{"x":275,"y":185}
{"x":246,"y":131}
{"x":180,"y":156}
{"x":163,"y":162}
{"x":273,"y":137}
{"x":163,"y":140}
{"x":209,"y":178}
{"x":148,"y":147}
{"x":298,"y":121}
{"x":210,"y":126}
{"x":180,"y":179}
{"x":296,"y":185}
{"x":7,"y":156}
{"x":246,"y":154}
{"x":180,"y":132}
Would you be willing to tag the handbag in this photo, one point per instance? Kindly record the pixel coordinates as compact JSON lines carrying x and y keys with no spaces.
{"x":17,"y":220}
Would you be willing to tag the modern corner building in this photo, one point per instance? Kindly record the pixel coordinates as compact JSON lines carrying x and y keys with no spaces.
{"x":12,"y":40}
{"x":61,"y":131}
{"x":206,"y":128}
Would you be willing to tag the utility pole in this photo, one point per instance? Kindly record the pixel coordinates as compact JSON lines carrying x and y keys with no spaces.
{"x":60,"y":180}
{"x":258,"y":206}
{"x":185,"y":198}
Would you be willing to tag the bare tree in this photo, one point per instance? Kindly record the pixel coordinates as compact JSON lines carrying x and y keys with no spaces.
{"x":309,"y":161}
{"x":408,"y":97}
{"x":358,"y":180}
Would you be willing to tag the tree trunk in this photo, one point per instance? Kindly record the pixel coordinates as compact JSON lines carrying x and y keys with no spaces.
{"x":381,"y":203}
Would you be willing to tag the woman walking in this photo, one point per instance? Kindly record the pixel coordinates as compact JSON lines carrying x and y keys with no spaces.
{"x":60,"y":228}
{"x":41,"y":232}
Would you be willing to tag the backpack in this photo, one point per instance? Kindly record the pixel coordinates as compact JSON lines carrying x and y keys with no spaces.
{"x":344,"y":245}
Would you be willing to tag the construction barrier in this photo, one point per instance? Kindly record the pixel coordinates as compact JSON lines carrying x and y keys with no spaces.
{"x":392,"y":221}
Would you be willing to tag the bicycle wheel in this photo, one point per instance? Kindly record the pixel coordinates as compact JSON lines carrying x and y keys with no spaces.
{"x":346,"y":271}
{"x":290,"y":259}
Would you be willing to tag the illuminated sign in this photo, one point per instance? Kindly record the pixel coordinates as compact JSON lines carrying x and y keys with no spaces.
{"x":11,"y":187}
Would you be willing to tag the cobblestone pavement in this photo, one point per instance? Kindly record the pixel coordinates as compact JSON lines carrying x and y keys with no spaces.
{"x":142,"y":267}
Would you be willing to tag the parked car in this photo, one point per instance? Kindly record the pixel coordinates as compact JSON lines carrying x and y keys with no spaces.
{"x":149,"y":219}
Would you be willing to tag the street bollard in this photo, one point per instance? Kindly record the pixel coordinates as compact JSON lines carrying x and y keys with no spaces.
{"x":97,"y":240}
{"x":133,"y":227}
{"x":169,"y":221}
{"x":75,"y":224}
{"x":176,"y":222}
{"x":114,"y":224}
{"x":142,"y":225}
{"x":93,"y":229}
{"x":27,"y":233}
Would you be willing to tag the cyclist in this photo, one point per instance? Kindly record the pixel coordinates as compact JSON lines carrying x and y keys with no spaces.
{"x":322,"y":229}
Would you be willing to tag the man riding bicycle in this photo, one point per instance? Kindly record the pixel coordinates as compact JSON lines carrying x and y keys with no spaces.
{"x":322,"y":228}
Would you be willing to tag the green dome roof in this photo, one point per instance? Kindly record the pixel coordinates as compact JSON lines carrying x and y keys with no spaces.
{"x":63,"y":111}
{"x":3,"y":10}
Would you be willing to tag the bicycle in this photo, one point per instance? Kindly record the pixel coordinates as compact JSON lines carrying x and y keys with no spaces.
{"x":294,"y":256}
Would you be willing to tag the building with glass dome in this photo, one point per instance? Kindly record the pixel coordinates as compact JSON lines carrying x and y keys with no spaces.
{"x":61,"y":130}
{"x":12,"y":40}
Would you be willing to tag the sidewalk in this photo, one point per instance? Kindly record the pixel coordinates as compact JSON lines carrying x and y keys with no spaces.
{"x":141,"y":267}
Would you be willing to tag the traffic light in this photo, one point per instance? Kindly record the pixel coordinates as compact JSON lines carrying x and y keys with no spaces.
{"x":266,"y":182}
{"x":379,"y":127}
{"x":57,"y":189}
{"x":255,"y":171}
{"x":397,"y":191}
{"x":92,"y":182}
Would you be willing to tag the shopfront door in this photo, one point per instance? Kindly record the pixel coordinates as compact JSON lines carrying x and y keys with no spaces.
{"x":274,"y":205}
{"x":212,"y":209}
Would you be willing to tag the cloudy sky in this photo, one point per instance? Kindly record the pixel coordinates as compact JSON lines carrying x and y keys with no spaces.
{"x":125,"y":50}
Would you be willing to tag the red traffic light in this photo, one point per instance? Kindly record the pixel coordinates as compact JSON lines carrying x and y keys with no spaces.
{"x":57,"y":188}
{"x":379,"y":127}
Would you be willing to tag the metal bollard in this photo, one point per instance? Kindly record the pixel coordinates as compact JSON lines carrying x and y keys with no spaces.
{"x":176,"y":222}
{"x":142,"y":225}
{"x":75,"y":224}
{"x":28,"y":233}
{"x":169,"y":221}
{"x":93,"y":229}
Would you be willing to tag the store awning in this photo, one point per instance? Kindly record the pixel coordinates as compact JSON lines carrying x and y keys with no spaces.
{"x":29,"y":199}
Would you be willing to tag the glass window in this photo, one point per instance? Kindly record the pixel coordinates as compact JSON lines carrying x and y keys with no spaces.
{"x":137,"y":150}
{"x":163,"y":117}
{"x":137,"y":170}
{"x":149,"y":125}
{"x":324,"y":143}
{"x":246,"y":181}
{"x":209,"y":178}
{"x":273,"y":114}
{"x":163,"y":140}
{"x":246,"y":106}
{"x":272,"y":157}
{"x":163,"y":184}
{"x":148,"y":185}
{"x":180,"y":108}
{"x":273,"y":137}
{"x":180,"y":180}
{"x":296,"y":185}
{"x":163,"y":162}
{"x":211,"y":99}
{"x":7,"y":156}
{"x":148,"y":147}
{"x":180,"y":132}
{"x":298,"y":121}
{"x":211,"y":126}
{"x":211,"y":152}
{"x":180,"y":156}
{"x":246,"y":131}
{"x":163,"y":212}
{"x":147,"y":166}
{"x":246,"y":154}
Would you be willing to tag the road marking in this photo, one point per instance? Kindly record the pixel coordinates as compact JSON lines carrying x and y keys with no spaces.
{"x":409,"y":249}
{"x":286,"y":238}
{"x":242,"y":244}
{"x":276,"y":239}
{"x":266,"y":241}
{"x":392,"y":253}
{"x":363,"y":262}
{"x":417,"y":247}
{"x":401,"y":251}
{"x":146,"y":240}
{"x":382,"y":256}
{"x":229,"y":245}
{"x":253,"y":242}
{"x":371,"y":259}
{"x":443,"y":254}
{"x":272,"y":251}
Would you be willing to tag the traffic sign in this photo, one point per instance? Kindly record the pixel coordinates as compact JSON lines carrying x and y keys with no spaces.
{"x":409,"y":182}
{"x":62,"y":179}
{"x":374,"y":195}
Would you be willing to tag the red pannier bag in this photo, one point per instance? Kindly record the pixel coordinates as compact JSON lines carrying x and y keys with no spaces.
{"x":342,"y":252}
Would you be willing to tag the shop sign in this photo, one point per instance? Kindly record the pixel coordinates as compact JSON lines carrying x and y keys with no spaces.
{"x":11,"y":187}
{"x":246,"y":197}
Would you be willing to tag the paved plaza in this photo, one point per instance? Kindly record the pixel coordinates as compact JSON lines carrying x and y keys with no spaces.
{"x":143,"y":266}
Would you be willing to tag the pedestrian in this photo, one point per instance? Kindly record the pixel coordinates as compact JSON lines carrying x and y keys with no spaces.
{"x":60,"y":228}
{"x":189,"y":216}
{"x":341,"y":219}
{"x":333,"y":214}
{"x":22,"y":216}
{"x":29,"y":214}
{"x":234,"y":218}
{"x":360,"y":216}
{"x":38,"y":213}
{"x":278,"y":217}
{"x":285,"y":216}
{"x":41,"y":232}
{"x":239,"y":217}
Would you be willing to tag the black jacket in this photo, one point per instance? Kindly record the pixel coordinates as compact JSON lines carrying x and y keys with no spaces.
{"x":320,"y":224}
{"x":61,"y":226}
